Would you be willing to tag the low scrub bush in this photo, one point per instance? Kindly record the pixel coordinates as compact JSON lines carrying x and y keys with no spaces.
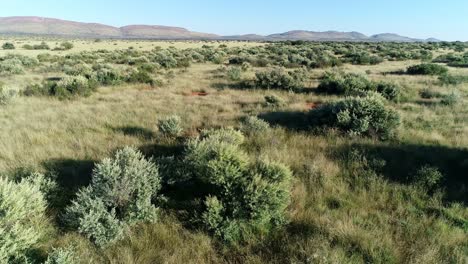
{"x":8,"y":46}
{"x":253,"y":125}
{"x":356,"y":85}
{"x":234,"y":73}
{"x":22,"y":214}
{"x":274,"y":101}
{"x":427,"y":69}
{"x":62,"y":256}
{"x":279,"y":78}
{"x":11,"y":66}
{"x":120,"y":194}
{"x":42,"y":46}
{"x":427,"y":177}
{"x":247,"y":199}
{"x":451,"y":99}
{"x":429,"y":94}
{"x":171,"y":126}
{"x":357,"y":116}
{"x":7,"y":95}
{"x":64,"y":46}
{"x":71,"y":86}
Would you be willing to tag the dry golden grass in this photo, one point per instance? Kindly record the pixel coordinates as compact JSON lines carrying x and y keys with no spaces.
{"x":339,"y":213}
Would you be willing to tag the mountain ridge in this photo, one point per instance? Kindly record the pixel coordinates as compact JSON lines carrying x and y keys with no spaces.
{"x":34,"y":25}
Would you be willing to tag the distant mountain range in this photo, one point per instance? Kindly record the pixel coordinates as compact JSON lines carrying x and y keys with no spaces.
{"x":56,"y":27}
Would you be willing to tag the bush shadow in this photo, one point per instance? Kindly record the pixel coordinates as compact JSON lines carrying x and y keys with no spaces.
{"x":291,"y":120}
{"x":403,"y":160}
{"x":135,"y":131}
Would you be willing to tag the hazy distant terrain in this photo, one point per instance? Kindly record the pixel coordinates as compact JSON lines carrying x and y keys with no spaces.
{"x":57,"y":27}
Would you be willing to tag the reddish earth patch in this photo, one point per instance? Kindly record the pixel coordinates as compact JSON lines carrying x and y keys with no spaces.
{"x":312,"y":105}
{"x":199,"y":94}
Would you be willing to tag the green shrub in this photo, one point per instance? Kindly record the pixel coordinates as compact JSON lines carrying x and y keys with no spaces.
{"x":279,"y":78}
{"x":447,"y":79}
{"x":171,"y":126}
{"x":234,"y":73}
{"x":11,"y":66}
{"x":22,"y":217}
{"x":254,"y":125}
{"x":62,"y":256}
{"x":427,"y":177}
{"x":42,"y":46}
{"x":390,"y":91}
{"x":427,"y":69}
{"x":273,"y":100}
{"x":356,"y":85}
{"x":137,"y":76}
{"x":108,"y":76}
{"x":357,"y":116}
{"x":7,"y":95}
{"x":247,"y":199}
{"x":65,"y":46}
{"x":451,"y":99}
{"x":120,"y":194}
{"x":8,"y":46}
{"x":429,"y":94}
{"x":71,"y":86}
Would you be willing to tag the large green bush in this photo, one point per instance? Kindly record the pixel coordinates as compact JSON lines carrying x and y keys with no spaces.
{"x":22,"y":217}
{"x":120,"y":194}
{"x":427,"y":69}
{"x":247,"y":199}
{"x":357,"y":116}
{"x":279,"y":78}
{"x":356,"y":85}
{"x":11,"y":66}
{"x":71,"y":86}
{"x":8,"y":46}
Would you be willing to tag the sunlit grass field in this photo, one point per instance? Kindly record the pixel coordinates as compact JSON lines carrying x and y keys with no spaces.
{"x":343,"y":210}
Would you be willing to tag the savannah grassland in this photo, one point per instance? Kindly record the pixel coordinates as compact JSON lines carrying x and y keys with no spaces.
{"x":344,"y":208}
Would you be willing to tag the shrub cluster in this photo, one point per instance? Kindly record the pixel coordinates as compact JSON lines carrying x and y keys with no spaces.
{"x":274,"y":101}
{"x":247,"y":198}
{"x":279,"y":78}
{"x":356,"y":85}
{"x":357,"y":116}
{"x":427,"y":69}
{"x":22,"y":214}
{"x":120,"y":194}
{"x":6,"y":95}
{"x":42,"y":46}
{"x":254,"y":125}
{"x":171,"y":126}
{"x":8,"y":46}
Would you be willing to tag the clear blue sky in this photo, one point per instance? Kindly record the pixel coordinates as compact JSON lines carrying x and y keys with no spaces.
{"x":447,"y":20}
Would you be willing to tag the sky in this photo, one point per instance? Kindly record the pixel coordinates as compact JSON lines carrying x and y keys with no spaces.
{"x":446,"y":20}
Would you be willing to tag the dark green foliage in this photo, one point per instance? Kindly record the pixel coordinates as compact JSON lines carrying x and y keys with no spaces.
{"x":247,"y":199}
{"x":8,"y":46}
{"x":448,"y":79}
{"x":252,"y":125}
{"x":120,"y":194}
{"x":279,"y":78}
{"x":451,"y":99}
{"x":356,"y":85}
{"x":429,"y":94}
{"x":427,"y":69}
{"x":273,"y":100}
{"x":170,"y":126}
{"x":363,"y":58}
{"x":42,"y":46}
{"x":140,"y":77}
{"x":427,"y":177}
{"x":366,"y":116}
